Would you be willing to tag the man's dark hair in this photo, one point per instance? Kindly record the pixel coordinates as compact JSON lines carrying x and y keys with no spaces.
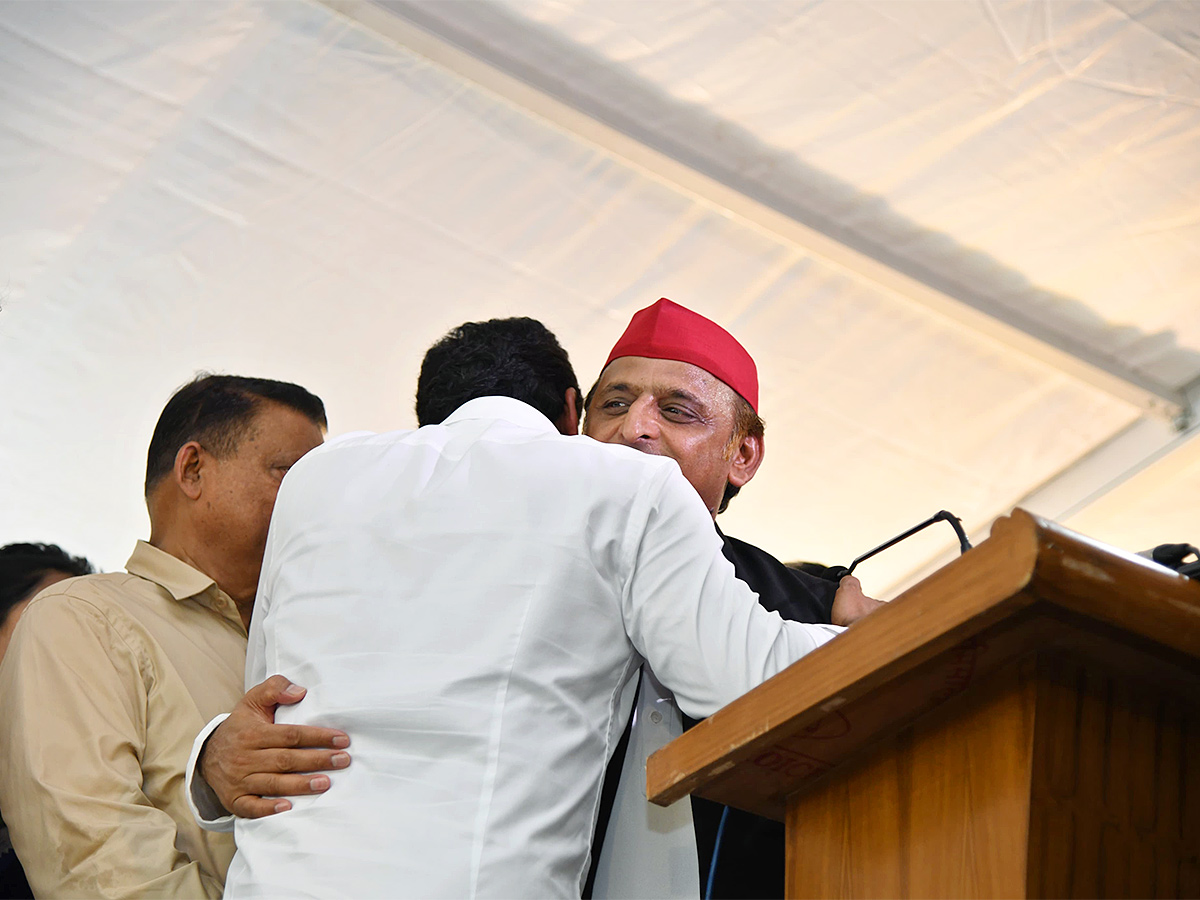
{"x":22,"y":566}
{"x":519,"y":358}
{"x":217,"y":411}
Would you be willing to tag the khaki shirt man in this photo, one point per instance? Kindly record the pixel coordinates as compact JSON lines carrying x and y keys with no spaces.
{"x":108,"y":677}
{"x":133,"y":665}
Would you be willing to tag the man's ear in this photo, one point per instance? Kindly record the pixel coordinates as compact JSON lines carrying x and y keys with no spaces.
{"x":568,"y":421}
{"x":746,"y":459}
{"x":189,"y":462}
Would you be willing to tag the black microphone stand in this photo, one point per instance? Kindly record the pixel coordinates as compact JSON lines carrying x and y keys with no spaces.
{"x":837,"y":573}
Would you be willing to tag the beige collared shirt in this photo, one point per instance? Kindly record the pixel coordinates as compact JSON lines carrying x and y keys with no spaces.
{"x":107,"y":681}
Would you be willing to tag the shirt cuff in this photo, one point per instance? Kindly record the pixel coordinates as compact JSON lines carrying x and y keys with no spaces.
{"x":206,"y":808}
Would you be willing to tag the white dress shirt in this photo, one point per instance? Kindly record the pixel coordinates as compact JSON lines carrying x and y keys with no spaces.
{"x":648,"y":850}
{"x":468,"y":601}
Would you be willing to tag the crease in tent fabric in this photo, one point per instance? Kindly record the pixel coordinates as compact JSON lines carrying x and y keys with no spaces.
{"x":1076,"y":72}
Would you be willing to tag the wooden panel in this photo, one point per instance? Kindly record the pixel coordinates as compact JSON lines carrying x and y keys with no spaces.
{"x":1121,"y":589}
{"x":813,"y":751}
{"x":1188,"y":872}
{"x":837,"y":838}
{"x":939,"y":810}
{"x":1113,"y":760}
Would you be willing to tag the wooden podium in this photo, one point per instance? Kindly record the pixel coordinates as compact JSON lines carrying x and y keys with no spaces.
{"x":1023,"y":723}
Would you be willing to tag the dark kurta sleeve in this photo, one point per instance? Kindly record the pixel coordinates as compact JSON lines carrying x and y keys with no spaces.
{"x":797,"y":596}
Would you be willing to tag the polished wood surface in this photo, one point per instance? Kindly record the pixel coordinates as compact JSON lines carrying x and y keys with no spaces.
{"x":1025,"y":722}
{"x":1115,"y":798}
{"x":904,"y":820}
{"x":1053,"y":779}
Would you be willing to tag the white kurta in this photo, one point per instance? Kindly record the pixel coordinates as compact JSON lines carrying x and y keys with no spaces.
{"x":468,"y":601}
{"x":648,"y":850}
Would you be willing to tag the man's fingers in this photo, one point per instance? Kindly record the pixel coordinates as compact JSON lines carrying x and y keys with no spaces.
{"x":266,"y":695}
{"x":291,"y":736}
{"x":274,"y":785}
{"x":292,"y":693}
{"x":288,"y":761}
{"x":851,"y":582}
{"x":269,"y":791}
{"x":850,"y":603}
{"x":251,"y":807}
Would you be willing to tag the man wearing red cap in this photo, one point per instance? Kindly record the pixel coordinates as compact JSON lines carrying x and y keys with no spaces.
{"x":677,"y":384}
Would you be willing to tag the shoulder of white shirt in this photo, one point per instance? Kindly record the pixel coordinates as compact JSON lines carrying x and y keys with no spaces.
{"x":617,"y":451}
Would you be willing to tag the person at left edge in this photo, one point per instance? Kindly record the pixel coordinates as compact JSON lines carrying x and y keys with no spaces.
{"x":108,"y":677}
{"x":25,"y":571}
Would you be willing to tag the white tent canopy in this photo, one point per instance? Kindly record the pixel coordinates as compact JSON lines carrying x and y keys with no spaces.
{"x":958,"y":237}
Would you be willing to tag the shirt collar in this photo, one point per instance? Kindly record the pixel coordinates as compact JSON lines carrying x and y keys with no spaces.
{"x":506,"y":408}
{"x":179,"y":579}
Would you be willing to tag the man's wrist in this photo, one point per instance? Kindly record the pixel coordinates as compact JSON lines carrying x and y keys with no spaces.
{"x":202,"y":771}
{"x":206,"y":807}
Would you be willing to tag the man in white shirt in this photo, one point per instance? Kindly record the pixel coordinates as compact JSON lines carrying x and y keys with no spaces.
{"x":470,"y":601}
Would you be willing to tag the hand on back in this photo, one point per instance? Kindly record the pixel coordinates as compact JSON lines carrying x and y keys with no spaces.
{"x":252,"y":764}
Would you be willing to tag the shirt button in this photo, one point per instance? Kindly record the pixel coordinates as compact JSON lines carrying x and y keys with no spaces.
{"x":656,"y":717}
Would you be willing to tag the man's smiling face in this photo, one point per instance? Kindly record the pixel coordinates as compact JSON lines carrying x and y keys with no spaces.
{"x":675,"y":409}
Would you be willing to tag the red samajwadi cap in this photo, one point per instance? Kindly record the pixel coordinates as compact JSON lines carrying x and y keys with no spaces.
{"x":667,"y":330}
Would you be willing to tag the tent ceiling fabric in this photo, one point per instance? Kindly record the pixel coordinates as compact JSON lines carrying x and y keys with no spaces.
{"x":1029,"y":155}
{"x":273,"y":189}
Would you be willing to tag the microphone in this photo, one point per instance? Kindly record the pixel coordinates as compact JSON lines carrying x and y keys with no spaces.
{"x":1183,"y":558}
{"x":837,"y":573}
